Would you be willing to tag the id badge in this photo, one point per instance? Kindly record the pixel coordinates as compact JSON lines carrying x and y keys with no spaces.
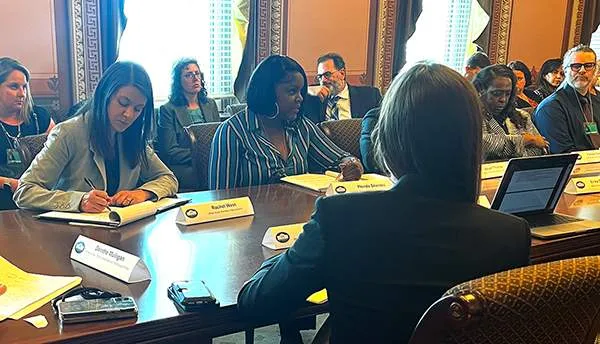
{"x":13,"y":157}
{"x":591,"y":128}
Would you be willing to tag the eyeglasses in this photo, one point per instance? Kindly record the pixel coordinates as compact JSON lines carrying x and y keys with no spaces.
{"x":327,"y":75}
{"x":192,"y":75}
{"x":576,"y":67}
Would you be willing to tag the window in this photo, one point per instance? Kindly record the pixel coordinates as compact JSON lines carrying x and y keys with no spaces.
{"x":160,"y":32}
{"x":595,"y":42}
{"x":462,"y":21}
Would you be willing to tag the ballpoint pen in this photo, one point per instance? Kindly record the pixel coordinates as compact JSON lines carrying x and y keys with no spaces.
{"x":89,"y":182}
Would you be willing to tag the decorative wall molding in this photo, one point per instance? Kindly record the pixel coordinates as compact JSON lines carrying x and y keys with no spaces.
{"x":270,"y":28}
{"x":499,"y":31}
{"x":86,"y":56}
{"x":384,"y":50}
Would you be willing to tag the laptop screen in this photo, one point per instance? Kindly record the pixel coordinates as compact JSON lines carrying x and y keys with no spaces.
{"x":533,"y":185}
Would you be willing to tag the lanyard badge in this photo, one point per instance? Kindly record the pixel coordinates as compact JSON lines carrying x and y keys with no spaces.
{"x":590,"y":128}
{"x":13,"y":157}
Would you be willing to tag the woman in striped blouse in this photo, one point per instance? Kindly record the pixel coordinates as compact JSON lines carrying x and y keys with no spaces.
{"x":507,"y":132}
{"x":273,"y":139}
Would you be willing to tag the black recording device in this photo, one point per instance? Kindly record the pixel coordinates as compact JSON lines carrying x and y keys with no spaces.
{"x":191,"y":296}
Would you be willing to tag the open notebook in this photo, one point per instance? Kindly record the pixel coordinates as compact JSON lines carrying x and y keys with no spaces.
{"x":119,"y":216}
{"x":321,"y":182}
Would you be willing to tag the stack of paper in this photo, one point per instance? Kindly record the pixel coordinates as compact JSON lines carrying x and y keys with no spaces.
{"x":321,"y":182}
{"x":27,"y":292}
{"x":118,"y":216}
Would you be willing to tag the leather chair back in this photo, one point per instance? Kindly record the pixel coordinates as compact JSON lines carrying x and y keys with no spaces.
{"x":345,"y":133}
{"x":30,"y":146}
{"x":201,"y":136}
{"x":556,"y":302}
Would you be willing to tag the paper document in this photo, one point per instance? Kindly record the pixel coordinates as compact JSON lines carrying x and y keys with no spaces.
{"x":119,"y":216}
{"x":321,"y":182}
{"x":27,"y":292}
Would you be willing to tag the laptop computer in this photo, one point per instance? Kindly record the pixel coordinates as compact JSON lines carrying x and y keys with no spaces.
{"x":531,"y":188}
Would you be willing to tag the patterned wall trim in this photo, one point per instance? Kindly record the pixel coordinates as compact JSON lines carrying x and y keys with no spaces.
{"x":270,"y":28}
{"x":86,"y":47}
{"x":384,"y":50}
{"x":499,"y":33}
{"x":579,"y":4}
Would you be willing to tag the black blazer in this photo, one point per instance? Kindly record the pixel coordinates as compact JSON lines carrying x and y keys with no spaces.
{"x":366,"y":144}
{"x":560,"y":120}
{"x":384,"y":258}
{"x":362,"y":99}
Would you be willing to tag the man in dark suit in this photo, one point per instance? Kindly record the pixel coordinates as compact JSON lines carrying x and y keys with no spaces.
{"x":336,"y":99}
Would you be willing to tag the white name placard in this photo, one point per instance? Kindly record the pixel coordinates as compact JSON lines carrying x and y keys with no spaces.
{"x":583,"y":185}
{"x":493,"y":169}
{"x":214,"y":211}
{"x":110,"y":260}
{"x":336,"y":188}
{"x":588,"y":157}
{"x":280,"y":237}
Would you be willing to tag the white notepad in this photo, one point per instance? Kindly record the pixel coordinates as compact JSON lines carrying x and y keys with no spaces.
{"x":118,"y":216}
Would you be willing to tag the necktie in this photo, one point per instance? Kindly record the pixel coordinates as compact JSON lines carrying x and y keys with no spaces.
{"x":332,"y":108}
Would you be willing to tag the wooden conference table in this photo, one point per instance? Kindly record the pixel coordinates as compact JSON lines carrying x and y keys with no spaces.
{"x":224,"y":254}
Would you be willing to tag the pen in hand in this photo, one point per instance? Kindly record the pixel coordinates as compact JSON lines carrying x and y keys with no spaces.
{"x":89,"y":182}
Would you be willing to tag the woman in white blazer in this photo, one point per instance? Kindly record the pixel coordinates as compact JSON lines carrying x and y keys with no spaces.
{"x":101,"y":157}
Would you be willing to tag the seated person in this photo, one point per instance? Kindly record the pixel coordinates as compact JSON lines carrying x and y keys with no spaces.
{"x":366,"y":143}
{"x":549,"y":78}
{"x":475,"y":63}
{"x":336,"y":99}
{"x":272,"y":138}
{"x":523,"y":76}
{"x":386,"y":256}
{"x":507,"y":132}
{"x":188,"y":104}
{"x":17,"y":119}
{"x":567,"y":117}
{"x":105,"y":145}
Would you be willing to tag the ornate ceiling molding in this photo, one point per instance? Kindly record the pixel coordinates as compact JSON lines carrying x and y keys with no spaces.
{"x":86,"y":57}
{"x":384,"y":50}
{"x":500,"y":29}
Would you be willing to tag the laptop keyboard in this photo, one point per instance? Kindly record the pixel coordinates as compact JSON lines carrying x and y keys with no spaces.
{"x":549,"y":220}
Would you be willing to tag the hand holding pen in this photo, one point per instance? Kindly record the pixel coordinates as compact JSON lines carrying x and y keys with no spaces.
{"x":95,"y":201}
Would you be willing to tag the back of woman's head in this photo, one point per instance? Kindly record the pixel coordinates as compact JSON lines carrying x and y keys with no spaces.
{"x":118,"y":75}
{"x":430,"y":125}
{"x":260,"y":94}
{"x":9,"y":65}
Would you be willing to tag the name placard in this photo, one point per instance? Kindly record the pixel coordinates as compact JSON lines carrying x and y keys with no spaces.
{"x":110,"y":260}
{"x":483,"y":201}
{"x":280,"y":237}
{"x":493,"y":169}
{"x":214,"y":211}
{"x":588,"y":157}
{"x":337,"y":188}
{"x":583,"y":185}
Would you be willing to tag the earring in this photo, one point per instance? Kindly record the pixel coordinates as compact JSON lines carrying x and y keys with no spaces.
{"x":275,"y":113}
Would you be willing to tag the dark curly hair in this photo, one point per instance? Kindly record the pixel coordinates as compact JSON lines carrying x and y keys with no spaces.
{"x":177,"y":97}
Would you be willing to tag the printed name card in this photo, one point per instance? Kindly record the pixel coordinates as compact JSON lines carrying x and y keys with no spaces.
{"x":588,"y":157}
{"x":583,"y":185}
{"x":214,"y":211}
{"x":483,"y":201}
{"x":110,"y":260}
{"x":336,"y":188}
{"x":493,"y":169}
{"x":280,"y":237}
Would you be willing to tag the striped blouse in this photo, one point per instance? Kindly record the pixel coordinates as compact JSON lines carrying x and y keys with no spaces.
{"x":241,"y":155}
{"x":497,"y":144}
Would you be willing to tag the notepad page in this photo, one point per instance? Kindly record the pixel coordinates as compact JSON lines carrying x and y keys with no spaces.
{"x":316,"y":182}
{"x":27,"y":292}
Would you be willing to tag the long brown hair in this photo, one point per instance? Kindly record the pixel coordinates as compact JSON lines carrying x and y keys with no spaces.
{"x":7,"y":66}
{"x":430,"y":125}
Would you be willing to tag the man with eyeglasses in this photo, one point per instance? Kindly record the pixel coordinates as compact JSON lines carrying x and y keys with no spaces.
{"x":336,"y":99}
{"x":569,"y":117}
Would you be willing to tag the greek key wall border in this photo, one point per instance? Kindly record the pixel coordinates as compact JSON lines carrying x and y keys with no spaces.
{"x":384,"y":50}
{"x":499,"y":33}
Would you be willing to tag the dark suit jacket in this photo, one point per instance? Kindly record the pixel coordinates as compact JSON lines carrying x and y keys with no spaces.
{"x":384,"y":258}
{"x":362,"y":99}
{"x":559,"y":119}
{"x":172,"y":144}
{"x":366,"y":144}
